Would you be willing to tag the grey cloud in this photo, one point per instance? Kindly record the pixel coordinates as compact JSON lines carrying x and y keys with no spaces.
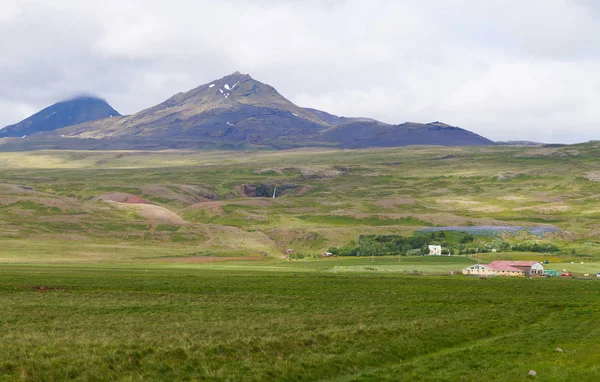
{"x":504,"y":69}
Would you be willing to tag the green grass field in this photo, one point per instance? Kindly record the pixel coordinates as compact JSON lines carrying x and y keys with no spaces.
{"x":193,"y":286}
{"x":154,"y":322}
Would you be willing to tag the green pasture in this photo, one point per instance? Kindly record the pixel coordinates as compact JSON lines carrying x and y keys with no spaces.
{"x":160,"y":322}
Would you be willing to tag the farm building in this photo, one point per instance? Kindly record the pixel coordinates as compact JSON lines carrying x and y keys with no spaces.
{"x":506,"y":268}
{"x":435,"y":250}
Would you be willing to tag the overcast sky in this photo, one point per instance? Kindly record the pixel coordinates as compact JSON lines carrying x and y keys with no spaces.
{"x":505,"y":69}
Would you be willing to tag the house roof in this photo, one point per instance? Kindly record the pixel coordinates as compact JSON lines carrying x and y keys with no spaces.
{"x":501,"y":267}
{"x":511,"y":263}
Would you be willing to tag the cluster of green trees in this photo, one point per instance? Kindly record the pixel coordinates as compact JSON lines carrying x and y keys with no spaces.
{"x":386,"y":245}
{"x":456,"y":243}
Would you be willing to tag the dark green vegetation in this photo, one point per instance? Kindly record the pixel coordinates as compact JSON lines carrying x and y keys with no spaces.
{"x":149,"y":323}
{"x":75,"y":205}
{"x":456,"y":243}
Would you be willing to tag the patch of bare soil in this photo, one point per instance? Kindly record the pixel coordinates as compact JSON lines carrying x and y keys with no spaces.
{"x":510,"y":175}
{"x":545,"y":208}
{"x":121,"y":197}
{"x":268,"y":169}
{"x":593,"y":176}
{"x":318,"y":173}
{"x":512,"y":198}
{"x":154,"y":214}
{"x":327,"y":203}
{"x":393,"y":202}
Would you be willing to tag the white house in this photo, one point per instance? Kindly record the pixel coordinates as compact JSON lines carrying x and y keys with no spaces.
{"x":435,"y":250}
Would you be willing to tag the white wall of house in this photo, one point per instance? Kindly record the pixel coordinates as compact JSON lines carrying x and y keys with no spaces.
{"x":537,"y":268}
{"x":435,"y":250}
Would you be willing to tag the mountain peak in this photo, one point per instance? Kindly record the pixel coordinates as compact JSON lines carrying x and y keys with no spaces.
{"x":237,"y":109}
{"x":73,"y":111}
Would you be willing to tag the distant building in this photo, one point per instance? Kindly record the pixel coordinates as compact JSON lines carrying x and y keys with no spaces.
{"x":506,"y":268}
{"x":435,"y":250}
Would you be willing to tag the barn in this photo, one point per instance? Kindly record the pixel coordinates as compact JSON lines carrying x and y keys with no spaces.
{"x":506,"y":268}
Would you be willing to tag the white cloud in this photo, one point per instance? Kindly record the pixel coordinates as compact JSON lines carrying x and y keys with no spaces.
{"x":9,"y":11}
{"x":505,"y":69}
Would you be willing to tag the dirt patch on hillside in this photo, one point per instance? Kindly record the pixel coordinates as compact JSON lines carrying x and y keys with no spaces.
{"x":593,"y":176}
{"x":154,"y":214}
{"x":122,"y":197}
{"x":512,"y":198}
{"x":393,"y":202}
{"x":327,"y":203}
{"x":510,"y":175}
{"x":267,"y":170}
{"x":545,"y":208}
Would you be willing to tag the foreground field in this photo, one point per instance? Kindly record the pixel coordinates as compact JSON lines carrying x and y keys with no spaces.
{"x":192,"y":323}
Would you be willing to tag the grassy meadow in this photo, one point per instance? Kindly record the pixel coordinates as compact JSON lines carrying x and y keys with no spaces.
{"x":136,"y":322}
{"x":133,"y":265}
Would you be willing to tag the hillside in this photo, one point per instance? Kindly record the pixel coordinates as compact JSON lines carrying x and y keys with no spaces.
{"x":93,"y":205}
{"x":239,"y":112}
{"x":66,"y":113}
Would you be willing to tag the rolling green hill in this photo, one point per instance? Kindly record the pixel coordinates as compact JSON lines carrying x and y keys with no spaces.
{"x":124,"y":205}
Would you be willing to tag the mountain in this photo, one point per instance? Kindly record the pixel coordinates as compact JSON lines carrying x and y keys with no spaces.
{"x":234,"y":108}
{"x":377,"y":134}
{"x":518,"y":143}
{"x":238,"y":112}
{"x":66,"y":113}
